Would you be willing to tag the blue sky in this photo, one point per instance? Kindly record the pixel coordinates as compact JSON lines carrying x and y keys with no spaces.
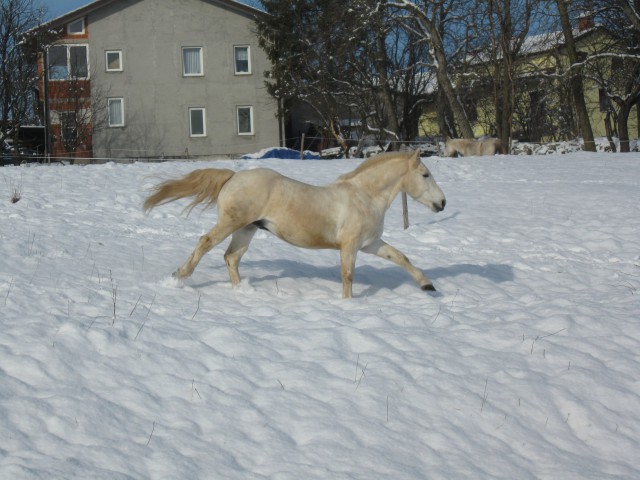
{"x":55,"y":8}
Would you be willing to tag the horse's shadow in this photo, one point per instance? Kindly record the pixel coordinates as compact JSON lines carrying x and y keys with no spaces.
{"x":393,"y":277}
{"x":375,"y":278}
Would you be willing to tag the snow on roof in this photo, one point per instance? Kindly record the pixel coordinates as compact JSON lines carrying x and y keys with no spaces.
{"x":534,"y":44}
{"x":546,"y":41}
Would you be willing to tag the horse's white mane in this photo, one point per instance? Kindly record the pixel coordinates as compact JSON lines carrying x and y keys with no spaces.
{"x":375,"y":162}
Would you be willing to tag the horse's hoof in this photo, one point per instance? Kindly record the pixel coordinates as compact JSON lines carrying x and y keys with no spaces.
{"x":428,"y":288}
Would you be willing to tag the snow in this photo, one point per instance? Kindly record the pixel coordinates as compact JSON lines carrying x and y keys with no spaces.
{"x":523,"y":365}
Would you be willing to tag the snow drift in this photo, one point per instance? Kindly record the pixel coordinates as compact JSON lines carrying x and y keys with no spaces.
{"x":524,"y":366}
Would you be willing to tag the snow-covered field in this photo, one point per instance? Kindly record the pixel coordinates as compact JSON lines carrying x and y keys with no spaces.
{"x":525,"y":365}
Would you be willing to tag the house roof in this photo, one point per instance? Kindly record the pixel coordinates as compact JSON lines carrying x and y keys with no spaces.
{"x":536,"y":44}
{"x":543,"y":42}
{"x":232,"y":5}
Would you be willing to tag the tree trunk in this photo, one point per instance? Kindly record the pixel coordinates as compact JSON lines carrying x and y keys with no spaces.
{"x":623,"y":127}
{"x":445,"y":84}
{"x":504,"y":103}
{"x":337,"y":134}
{"x":609,"y":133}
{"x":577,"y":90}
{"x":431,"y":35}
{"x":459,"y":115}
{"x":503,"y":60}
{"x":387,"y":99}
{"x":445,"y":126}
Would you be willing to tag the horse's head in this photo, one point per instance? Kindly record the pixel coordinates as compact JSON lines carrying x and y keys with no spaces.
{"x":422,"y":187}
{"x":449,"y":149}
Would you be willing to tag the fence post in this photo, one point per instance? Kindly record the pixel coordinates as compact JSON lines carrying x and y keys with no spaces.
{"x":302,"y":148}
{"x":405,"y":211}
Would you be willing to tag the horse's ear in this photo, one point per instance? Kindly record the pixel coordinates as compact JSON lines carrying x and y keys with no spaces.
{"x":416,"y":156}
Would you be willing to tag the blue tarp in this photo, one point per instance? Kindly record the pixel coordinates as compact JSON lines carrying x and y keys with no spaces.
{"x":283,"y":153}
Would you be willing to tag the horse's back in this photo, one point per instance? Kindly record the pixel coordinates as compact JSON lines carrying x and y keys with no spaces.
{"x":299,"y":213}
{"x":468,"y":147}
{"x":249,"y":191}
{"x":273,"y":192}
{"x":261,"y":181}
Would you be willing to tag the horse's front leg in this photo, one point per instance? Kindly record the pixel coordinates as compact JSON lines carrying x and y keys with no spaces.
{"x":347,"y":266}
{"x":383,"y":250}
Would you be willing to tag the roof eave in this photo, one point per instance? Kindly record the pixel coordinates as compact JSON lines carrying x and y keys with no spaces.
{"x":90,"y":7}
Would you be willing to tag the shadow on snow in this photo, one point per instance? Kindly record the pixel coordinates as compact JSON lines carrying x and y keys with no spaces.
{"x":375,"y":278}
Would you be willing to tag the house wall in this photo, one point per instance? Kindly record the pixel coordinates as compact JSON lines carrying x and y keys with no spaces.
{"x":157,"y":96}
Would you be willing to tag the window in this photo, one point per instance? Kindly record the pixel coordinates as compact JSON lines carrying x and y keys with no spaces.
{"x":242,"y":60}
{"x":78,"y":61}
{"x":245,"y":120}
{"x":115,"y":108}
{"x":113,"y":60}
{"x":58,"y":64}
{"x":192,"y":61}
{"x":76,"y":27}
{"x":197,"y":127}
{"x":68,"y":61}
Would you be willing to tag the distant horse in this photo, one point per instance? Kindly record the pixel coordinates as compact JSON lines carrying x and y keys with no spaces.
{"x":466,"y":147}
{"x":346,"y":215}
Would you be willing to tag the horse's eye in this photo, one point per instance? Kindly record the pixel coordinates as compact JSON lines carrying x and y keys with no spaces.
{"x":425,"y":175}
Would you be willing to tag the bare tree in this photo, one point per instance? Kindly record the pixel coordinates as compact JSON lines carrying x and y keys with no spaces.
{"x":309,"y":44}
{"x":505,"y":30}
{"x":393,"y":71}
{"x":346,"y":58}
{"x":74,"y":116}
{"x":576,"y":79}
{"x":18,"y":72}
{"x":426,"y":19}
{"x":75,"y":105}
{"x":615,"y":65}
{"x":631,"y":9}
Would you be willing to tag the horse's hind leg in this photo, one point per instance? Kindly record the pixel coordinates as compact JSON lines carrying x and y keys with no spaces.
{"x":206,"y":243}
{"x":347,"y":265}
{"x":384,"y":250}
{"x":240,"y":241}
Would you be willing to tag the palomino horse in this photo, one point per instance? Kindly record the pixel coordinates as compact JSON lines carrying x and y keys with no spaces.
{"x":488,"y":146}
{"x":346,"y":215}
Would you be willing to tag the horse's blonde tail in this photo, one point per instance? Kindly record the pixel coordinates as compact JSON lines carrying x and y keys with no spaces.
{"x":204,"y":185}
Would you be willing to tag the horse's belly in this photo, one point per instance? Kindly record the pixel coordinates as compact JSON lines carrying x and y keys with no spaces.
{"x":306,"y":240}
{"x":301,"y":234}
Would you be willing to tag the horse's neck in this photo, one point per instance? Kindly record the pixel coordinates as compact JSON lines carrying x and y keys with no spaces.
{"x":378,"y":186}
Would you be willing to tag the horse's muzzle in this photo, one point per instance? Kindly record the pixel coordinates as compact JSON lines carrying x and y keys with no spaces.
{"x":440,"y":207}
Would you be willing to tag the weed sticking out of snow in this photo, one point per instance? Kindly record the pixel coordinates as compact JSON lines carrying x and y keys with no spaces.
{"x":15,"y":190}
